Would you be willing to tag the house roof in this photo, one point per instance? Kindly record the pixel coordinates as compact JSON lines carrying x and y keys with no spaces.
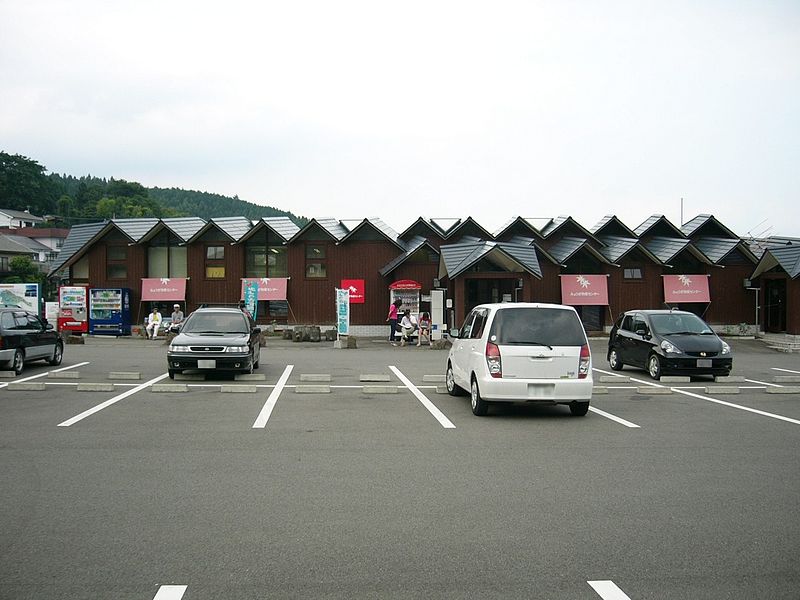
{"x":379,"y":226}
{"x":37,"y":232}
{"x":76,"y":242}
{"x":29,"y":243}
{"x":184,"y":227}
{"x":21,"y":214}
{"x":283,"y":227}
{"x":444,"y":226}
{"x":423,"y":222}
{"x":785,"y":257}
{"x":562,"y":220}
{"x":653,"y":221}
{"x":410,"y":247}
{"x":612,"y":222}
{"x":135,"y":229}
{"x":332,"y":227}
{"x":9,"y":245}
{"x":617,"y":247}
{"x":469,"y":221}
{"x":694,"y":225}
{"x":234,"y":227}
{"x":567,"y":247}
{"x":716,"y":249}
{"x":457,"y":258}
{"x":668,"y":248}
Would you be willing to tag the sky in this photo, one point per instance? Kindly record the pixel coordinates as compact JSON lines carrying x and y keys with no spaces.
{"x":436,"y":109}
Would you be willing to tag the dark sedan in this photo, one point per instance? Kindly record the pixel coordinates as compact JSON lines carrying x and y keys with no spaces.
{"x":667,"y":341}
{"x":215,"y":339}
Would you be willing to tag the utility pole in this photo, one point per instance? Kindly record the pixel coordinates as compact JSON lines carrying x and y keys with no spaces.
{"x":681,"y":211}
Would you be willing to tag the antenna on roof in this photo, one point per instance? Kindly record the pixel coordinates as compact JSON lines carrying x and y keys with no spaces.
{"x":681,"y":211}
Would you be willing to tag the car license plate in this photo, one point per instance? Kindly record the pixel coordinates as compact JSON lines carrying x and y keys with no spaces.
{"x":704,"y":363}
{"x":206,"y":364}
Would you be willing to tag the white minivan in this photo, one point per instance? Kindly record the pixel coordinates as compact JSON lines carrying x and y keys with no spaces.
{"x":521,"y":352}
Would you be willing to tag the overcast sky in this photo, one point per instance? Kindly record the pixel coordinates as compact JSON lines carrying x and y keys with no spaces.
{"x":440,"y":109}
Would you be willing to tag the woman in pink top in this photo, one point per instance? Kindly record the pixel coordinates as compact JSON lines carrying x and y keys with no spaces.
{"x":392,"y":319}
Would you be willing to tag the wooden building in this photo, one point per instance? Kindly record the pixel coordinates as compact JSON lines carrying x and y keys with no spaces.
{"x":603,"y":271}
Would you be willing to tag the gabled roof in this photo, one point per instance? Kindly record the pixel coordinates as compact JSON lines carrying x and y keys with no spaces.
{"x":457,"y":258}
{"x":233,"y":227}
{"x":786,"y":257}
{"x":76,"y":243}
{"x":526,"y":224}
{"x":333,"y":228}
{"x":37,"y":232}
{"x":410,"y":247}
{"x":617,"y":247}
{"x":184,"y":227}
{"x":283,"y":227}
{"x":613,"y":226}
{"x":422,"y":221}
{"x":135,"y":229}
{"x":657,"y":221}
{"x":567,"y":247}
{"x":444,"y":226}
{"x":702,"y":221}
{"x":11,"y":246}
{"x":31,"y":244}
{"x":469,"y":222}
{"x":561,"y":221}
{"x":21,"y":215}
{"x":716,"y":249}
{"x":376,"y":224}
{"x":668,"y":248}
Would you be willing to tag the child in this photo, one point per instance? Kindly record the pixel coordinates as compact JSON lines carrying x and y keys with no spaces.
{"x":424,"y":329}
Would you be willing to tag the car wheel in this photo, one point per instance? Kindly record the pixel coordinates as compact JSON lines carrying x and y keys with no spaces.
{"x":19,"y":361}
{"x":578,"y":409}
{"x":452,"y":388}
{"x":654,"y":366}
{"x":479,"y":406}
{"x":613,"y":360}
{"x":58,"y":354}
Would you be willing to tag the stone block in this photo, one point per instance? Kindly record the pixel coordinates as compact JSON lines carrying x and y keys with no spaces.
{"x":599,"y":389}
{"x":169,"y":387}
{"x":95,"y":387}
{"x":729,"y":379}
{"x":653,"y":391}
{"x":786,"y":379}
{"x":379,"y":389}
{"x":238,"y":389}
{"x":312,"y":389}
{"x":7,"y":374}
{"x":122,"y":375}
{"x":614,"y":379}
{"x":722,"y":389}
{"x":675,"y":379}
{"x":374,"y":377}
{"x":24,"y":386}
{"x":64,"y":375}
{"x":793,"y":389}
{"x":315,"y":377}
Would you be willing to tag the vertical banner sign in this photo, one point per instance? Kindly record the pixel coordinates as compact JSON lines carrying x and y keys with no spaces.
{"x":343,"y":311}
{"x":251,"y":297}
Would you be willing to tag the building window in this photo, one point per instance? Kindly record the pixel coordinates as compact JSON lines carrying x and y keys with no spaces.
{"x":316,"y":262}
{"x":632,"y":273}
{"x":215,"y":262}
{"x":4,"y":263}
{"x":116,"y":262}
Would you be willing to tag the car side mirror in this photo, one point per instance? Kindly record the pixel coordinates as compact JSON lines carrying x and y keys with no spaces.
{"x":454,"y":332}
{"x":641,"y":332}
{"x":48,"y":327}
{"x":256,"y":329}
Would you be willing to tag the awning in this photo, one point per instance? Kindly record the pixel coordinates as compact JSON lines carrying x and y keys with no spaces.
{"x":405,"y":284}
{"x":163,"y":288}
{"x":686,"y":288}
{"x":269,"y":288}
{"x":584,"y":290}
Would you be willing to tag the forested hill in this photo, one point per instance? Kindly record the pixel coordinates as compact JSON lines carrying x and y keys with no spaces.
{"x":70,"y":200}
{"x":208,"y":205}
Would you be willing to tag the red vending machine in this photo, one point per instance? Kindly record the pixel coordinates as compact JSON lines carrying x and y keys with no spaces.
{"x":73,"y":312}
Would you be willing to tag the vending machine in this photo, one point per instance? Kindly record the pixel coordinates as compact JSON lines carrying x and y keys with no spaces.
{"x":110,"y":311}
{"x":73,"y":313}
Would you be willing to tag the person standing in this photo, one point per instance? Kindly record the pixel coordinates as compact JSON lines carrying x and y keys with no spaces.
{"x":392,"y":320}
{"x":153,"y":323}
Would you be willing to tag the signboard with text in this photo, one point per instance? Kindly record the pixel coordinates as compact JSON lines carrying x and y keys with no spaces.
{"x":686,"y":288}
{"x":584,"y":290}
{"x":356,"y":289}
{"x":163,"y":288}
{"x":343,"y":312}
{"x":269,"y":288}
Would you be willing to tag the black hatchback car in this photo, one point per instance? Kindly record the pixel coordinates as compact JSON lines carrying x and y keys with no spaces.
{"x":24,"y":336}
{"x":667,"y":341}
{"x":215,"y":339}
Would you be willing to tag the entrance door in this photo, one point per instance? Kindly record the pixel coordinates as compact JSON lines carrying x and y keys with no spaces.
{"x":775,"y":305}
{"x":485,"y":291}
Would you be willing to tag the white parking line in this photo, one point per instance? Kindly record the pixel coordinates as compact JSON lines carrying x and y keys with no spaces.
{"x":715,"y":401}
{"x":613,"y":418}
{"x":2,"y":385}
{"x":107,"y":403}
{"x":437,"y":414}
{"x":763,"y":383}
{"x":170,"y":592}
{"x":266,"y":411}
{"x":785,"y":370}
{"x":608,"y":590}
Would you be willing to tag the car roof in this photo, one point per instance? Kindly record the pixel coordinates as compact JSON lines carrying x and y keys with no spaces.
{"x":504,"y":305}
{"x":660,"y":311}
{"x":226,"y":309}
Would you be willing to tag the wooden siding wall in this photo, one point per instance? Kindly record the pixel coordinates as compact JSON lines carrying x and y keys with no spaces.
{"x":731,"y":302}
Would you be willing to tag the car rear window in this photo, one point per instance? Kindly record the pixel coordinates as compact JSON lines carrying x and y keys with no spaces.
{"x":536,"y":326}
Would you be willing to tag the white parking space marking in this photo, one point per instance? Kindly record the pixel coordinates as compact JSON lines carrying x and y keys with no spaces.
{"x":608,"y":590}
{"x":602,"y":413}
{"x":437,"y":414}
{"x":763,"y":383}
{"x":266,"y":411}
{"x":107,"y":403}
{"x":170,"y":592}
{"x":2,"y":385}
{"x":785,"y":370}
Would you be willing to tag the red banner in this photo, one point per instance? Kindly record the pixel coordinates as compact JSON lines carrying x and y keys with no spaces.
{"x":584,"y":290}
{"x":269,"y":288}
{"x":356,"y":289}
{"x":686,"y":288}
{"x":405,"y":284}
{"x":163,"y":288}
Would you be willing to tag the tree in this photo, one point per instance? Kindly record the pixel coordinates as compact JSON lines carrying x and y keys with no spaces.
{"x":23,"y":270}
{"x":24,"y":186}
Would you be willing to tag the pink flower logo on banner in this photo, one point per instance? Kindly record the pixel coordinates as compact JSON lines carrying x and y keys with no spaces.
{"x":583,"y":282}
{"x":684,"y":279}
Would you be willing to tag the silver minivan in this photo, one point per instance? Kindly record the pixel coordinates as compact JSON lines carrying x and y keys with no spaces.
{"x":521,"y":352}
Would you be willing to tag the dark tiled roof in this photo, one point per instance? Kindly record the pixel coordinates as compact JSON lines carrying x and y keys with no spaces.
{"x":652,"y":222}
{"x":666,"y":248}
{"x":692,"y":227}
{"x":457,"y":258}
{"x":12,"y":246}
{"x":234,"y":227}
{"x":410,"y":247}
{"x":614,"y":225}
{"x":283,"y":226}
{"x":135,"y":229}
{"x":78,"y":237}
{"x":184,"y":227}
{"x":716,"y":248}
{"x":444,"y":226}
{"x":787,"y":257}
{"x":378,"y":225}
{"x":617,"y":247}
{"x":334,"y":227}
{"x":553,"y":225}
{"x":565,"y":248}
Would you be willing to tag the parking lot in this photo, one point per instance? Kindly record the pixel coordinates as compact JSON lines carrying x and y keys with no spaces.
{"x":350,"y":474}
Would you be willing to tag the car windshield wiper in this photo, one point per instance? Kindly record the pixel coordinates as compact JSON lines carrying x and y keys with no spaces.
{"x":707,"y":332}
{"x":206,"y":332}
{"x":236,"y":332}
{"x":529,"y":343}
{"x":683,"y":333}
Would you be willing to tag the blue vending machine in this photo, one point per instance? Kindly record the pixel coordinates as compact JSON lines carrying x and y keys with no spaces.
{"x":110,"y":311}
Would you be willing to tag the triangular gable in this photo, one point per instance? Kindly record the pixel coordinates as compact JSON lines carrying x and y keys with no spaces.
{"x":323,"y":225}
{"x":787,"y":258}
{"x":658,"y":225}
{"x":708,"y":226}
{"x":234,"y":227}
{"x":136,"y":229}
{"x":444,"y":225}
{"x":716,"y":249}
{"x":79,"y":240}
{"x":411,"y":247}
{"x":568,"y":247}
{"x":378,"y":226}
{"x":610,"y":225}
{"x":666,"y":249}
{"x":206,"y":228}
{"x":518,"y":226}
{"x":283,"y":228}
{"x":421,"y":227}
{"x":457,"y":258}
{"x":616,"y":248}
{"x":469,"y":227}
{"x":561,"y":222}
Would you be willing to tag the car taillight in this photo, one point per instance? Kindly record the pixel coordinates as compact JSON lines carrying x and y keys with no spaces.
{"x":583,"y":365}
{"x":493,"y":360}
